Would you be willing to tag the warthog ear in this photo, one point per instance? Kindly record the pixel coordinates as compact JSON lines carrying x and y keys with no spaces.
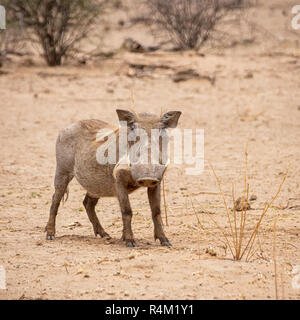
{"x":126,"y":116}
{"x":170,"y":119}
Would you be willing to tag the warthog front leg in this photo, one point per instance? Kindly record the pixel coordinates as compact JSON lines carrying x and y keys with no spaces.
{"x":127,"y":231}
{"x":90,"y":204}
{"x":154,"y":200}
{"x":122,"y":195}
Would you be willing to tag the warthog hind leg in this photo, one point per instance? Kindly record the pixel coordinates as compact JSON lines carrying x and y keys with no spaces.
{"x":90,"y":204}
{"x":61,"y":184}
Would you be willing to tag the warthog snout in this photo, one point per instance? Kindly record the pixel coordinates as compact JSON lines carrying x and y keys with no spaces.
{"x":147,"y":182}
{"x":147,"y":175}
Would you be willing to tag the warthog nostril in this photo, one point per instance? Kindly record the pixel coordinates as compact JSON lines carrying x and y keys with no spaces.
{"x":147,"y":182}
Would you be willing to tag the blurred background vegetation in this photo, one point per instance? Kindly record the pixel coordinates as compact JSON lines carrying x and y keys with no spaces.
{"x":64,"y":29}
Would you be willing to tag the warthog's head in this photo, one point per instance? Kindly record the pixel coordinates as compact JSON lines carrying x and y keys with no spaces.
{"x":147,"y":144}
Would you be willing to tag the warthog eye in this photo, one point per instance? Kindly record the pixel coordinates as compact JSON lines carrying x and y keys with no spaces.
{"x":132,"y":135}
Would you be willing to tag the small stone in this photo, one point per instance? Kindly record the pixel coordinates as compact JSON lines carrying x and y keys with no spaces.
{"x":210,"y":251}
{"x":79,"y":271}
{"x":249,"y":75}
{"x":132,"y":46}
{"x":241,"y":205}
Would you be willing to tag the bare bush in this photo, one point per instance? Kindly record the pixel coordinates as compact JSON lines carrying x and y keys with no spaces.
{"x":188,"y":23}
{"x":57,"y":25}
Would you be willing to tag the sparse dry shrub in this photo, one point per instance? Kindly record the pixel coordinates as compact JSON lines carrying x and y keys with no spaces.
{"x":188,"y":23}
{"x":240,"y":241}
{"x":57,"y":25}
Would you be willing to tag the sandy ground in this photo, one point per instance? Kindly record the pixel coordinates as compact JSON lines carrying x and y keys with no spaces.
{"x":256,"y":98}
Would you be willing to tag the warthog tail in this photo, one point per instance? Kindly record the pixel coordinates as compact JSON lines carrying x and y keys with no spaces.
{"x":66,"y":194}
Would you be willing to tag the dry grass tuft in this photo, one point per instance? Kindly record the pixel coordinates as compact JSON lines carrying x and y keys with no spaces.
{"x":274,"y":258}
{"x":237,"y":241}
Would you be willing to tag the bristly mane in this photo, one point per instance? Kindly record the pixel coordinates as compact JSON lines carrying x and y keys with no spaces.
{"x":147,"y":117}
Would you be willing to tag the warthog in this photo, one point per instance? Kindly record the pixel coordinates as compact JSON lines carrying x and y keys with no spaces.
{"x":76,"y":150}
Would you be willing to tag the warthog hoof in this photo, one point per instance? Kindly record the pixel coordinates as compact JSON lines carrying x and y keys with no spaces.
{"x":50,"y":233}
{"x":99,"y":230}
{"x":48,"y":237}
{"x":166,"y":244}
{"x":106,"y":236}
{"x":130,"y":243}
{"x":102,"y":234}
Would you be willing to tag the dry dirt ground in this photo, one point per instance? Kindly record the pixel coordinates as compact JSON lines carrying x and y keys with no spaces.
{"x":255,"y":98}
